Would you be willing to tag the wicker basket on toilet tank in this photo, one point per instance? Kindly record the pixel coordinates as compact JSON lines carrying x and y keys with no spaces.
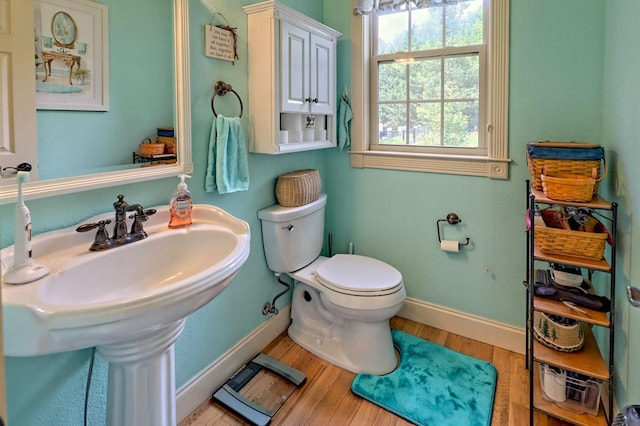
{"x":298,"y":188}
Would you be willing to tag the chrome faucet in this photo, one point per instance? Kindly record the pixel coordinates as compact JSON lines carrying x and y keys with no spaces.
{"x":120,"y":236}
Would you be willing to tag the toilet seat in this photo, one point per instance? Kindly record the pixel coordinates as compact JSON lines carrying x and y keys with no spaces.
{"x":358,"y":276}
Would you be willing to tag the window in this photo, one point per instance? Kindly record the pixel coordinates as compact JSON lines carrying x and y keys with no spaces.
{"x":430,"y":88}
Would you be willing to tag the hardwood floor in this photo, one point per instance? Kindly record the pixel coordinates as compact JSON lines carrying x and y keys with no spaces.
{"x":326,"y":399}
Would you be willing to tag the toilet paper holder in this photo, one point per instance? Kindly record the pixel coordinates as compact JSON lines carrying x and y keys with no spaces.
{"x":451,"y":219}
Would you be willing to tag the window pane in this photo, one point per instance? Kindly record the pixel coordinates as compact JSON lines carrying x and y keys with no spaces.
{"x":392,"y":81}
{"x":461,"y":78}
{"x":425,"y":78}
{"x":392,"y":123}
{"x":426,"y":28}
{"x":393,"y":29}
{"x":461,"y":124}
{"x":424,"y":124}
{"x":464,"y":23}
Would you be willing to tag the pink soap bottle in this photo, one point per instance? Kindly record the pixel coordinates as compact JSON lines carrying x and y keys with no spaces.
{"x":181,"y":205}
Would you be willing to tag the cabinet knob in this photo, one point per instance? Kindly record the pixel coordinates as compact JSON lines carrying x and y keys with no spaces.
{"x":315,"y":100}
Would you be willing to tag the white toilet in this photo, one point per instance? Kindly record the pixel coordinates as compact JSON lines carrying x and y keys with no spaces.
{"x":341,"y":305}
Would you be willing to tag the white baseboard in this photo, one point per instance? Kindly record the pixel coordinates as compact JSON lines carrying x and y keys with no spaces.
{"x":467,"y":325}
{"x":200,"y":388}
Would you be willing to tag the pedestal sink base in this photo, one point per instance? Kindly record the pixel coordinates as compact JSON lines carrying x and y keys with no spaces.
{"x":142,"y":378}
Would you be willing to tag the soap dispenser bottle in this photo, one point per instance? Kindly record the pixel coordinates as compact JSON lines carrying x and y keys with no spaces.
{"x":181,"y":205}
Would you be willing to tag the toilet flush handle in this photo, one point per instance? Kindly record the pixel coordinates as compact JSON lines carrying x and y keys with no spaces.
{"x":289,"y":227}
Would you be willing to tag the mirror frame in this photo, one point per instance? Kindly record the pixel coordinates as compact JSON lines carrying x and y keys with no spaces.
{"x":53,"y":187}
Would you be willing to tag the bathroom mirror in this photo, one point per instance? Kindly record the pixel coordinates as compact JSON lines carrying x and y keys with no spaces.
{"x":64,"y":134}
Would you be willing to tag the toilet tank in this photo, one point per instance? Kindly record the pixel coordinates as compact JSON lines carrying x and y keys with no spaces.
{"x":293,"y":236}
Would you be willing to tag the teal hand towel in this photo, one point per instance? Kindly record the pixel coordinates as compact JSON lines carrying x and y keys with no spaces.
{"x":345,"y":115}
{"x":227,"y":167}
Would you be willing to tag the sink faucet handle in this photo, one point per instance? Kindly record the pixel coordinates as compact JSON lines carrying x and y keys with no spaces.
{"x":102,"y":240}
{"x":89,"y":226}
{"x":137,"y":231}
{"x":144,"y":215}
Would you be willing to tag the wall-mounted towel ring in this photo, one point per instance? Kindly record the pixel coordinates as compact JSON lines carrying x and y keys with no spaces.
{"x":452,"y":219}
{"x":221,"y":88}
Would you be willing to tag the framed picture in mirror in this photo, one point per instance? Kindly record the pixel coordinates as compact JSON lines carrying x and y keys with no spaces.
{"x":71,"y":55}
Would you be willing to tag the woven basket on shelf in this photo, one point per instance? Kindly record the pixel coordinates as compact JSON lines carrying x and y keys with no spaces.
{"x":568,"y":187}
{"x":298,"y":188}
{"x":568,"y":242}
{"x":559,"y":333}
{"x":151,"y":148}
{"x":561,"y":166}
{"x":169,"y":143}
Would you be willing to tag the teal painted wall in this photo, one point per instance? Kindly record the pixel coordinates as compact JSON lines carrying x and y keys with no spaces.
{"x":621,"y":127}
{"x":555,"y":93}
{"x":557,"y":52}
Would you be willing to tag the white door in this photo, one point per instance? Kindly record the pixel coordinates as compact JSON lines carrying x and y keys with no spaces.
{"x":294,"y":69}
{"x":3,"y":399}
{"x":17,"y":86}
{"x":322,"y":65}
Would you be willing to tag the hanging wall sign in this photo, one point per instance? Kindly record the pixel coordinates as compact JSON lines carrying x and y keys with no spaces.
{"x":220,"y":43}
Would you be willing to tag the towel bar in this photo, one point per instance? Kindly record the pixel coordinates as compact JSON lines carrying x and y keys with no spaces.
{"x":221,"y":88}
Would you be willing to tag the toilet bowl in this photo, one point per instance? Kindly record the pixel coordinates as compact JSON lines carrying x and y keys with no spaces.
{"x":341,"y":306}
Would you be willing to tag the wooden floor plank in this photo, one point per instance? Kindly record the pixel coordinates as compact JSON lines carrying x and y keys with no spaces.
{"x":501,"y":359}
{"x":345,"y":412}
{"x":326,"y":399}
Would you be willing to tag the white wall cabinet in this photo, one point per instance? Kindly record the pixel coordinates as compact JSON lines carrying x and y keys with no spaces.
{"x":292,"y":80}
{"x":307,"y":64}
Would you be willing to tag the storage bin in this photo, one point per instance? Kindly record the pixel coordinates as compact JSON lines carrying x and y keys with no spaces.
{"x":559,"y":333}
{"x":566,"y":187}
{"x":565,"y":158}
{"x":151,"y":148}
{"x":298,"y":188}
{"x":553,"y":240}
{"x":582,"y":393}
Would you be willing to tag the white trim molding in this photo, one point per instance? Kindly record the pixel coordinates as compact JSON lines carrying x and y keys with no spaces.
{"x":474,"y":327}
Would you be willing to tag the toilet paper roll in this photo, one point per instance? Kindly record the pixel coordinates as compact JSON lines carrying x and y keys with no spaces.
{"x":321,"y":135}
{"x":284,"y":136}
{"x":295,"y":135}
{"x":291,"y":122}
{"x":307,"y":135}
{"x":450,"y":246}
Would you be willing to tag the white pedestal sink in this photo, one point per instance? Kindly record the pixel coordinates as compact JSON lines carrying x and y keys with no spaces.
{"x":130,"y":302}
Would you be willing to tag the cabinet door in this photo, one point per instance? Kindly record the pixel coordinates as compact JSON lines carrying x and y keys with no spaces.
{"x":17,"y":85}
{"x":294,"y":69}
{"x":322,"y":89}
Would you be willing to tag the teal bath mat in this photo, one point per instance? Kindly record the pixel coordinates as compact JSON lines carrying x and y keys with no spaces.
{"x":432,"y":385}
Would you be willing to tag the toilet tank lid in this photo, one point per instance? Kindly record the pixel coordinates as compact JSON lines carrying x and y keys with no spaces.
{"x":358,"y":273}
{"x":278,"y":213}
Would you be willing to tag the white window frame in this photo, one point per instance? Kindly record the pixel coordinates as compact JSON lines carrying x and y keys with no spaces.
{"x":494,"y":165}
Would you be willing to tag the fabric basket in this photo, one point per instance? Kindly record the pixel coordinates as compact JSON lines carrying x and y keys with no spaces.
{"x":557,"y":240}
{"x":565,"y":158}
{"x":556,"y":332}
{"x":298,"y":188}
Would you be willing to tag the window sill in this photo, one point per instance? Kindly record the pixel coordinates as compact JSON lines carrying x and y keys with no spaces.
{"x":494,"y":168}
